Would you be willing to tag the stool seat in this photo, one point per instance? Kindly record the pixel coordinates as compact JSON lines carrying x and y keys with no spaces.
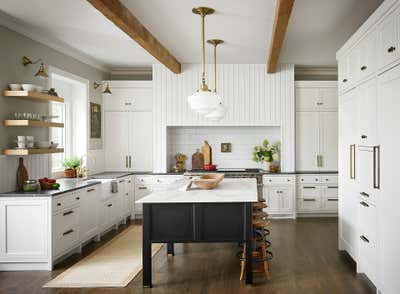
{"x":259,"y":205}
{"x":260,"y":214}
{"x":260,"y":223}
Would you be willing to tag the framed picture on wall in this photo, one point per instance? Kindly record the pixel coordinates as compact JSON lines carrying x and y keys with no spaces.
{"x":95,"y":120}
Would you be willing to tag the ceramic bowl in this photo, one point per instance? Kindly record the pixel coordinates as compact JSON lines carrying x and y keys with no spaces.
{"x":15,"y":87}
{"x":53,"y":145}
{"x":28,"y":87}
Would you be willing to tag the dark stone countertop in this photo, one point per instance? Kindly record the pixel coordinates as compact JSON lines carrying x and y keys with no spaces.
{"x":66,"y":185}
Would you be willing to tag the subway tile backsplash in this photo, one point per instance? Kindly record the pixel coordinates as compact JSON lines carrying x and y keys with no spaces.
{"x":243,"y":139}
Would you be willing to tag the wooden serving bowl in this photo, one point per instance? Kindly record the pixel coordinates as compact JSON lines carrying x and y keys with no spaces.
{"x":208,"y":181}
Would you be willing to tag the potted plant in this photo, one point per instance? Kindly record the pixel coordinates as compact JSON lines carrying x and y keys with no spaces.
{"x":71,"y":164}
{"x":269,"y":154}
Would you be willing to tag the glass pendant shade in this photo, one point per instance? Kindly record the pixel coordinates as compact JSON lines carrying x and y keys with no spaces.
{"x":204,"y":102}
{"x":217,"y":114}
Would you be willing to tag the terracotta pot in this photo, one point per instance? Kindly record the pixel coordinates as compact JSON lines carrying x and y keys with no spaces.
{"x":70,"y":173}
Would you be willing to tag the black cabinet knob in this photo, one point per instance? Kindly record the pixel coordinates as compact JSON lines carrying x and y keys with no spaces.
{"x":391,"y":49}
{"x":363,"y":136}
{"x":344,"y":80}
{"x":364,"y":67}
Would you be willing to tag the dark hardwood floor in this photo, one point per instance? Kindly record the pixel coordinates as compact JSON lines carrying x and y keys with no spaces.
{"x":306,"y":261}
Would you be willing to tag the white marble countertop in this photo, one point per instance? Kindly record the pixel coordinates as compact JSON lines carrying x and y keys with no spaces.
{"x":229,"y":190}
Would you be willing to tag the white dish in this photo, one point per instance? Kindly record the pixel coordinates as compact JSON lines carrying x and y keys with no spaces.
{"x":53,"y":145}
{"x":21,"y":138}
{"x":29,"y":138}
{"x":21,"y":145}
{"x":28,"y":87}
{"x":15,"y":87}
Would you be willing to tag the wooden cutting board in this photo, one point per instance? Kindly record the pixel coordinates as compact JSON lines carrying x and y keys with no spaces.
{"x":207,"y":153}
{"x":197,"y":160}
{"x":22,"y":174}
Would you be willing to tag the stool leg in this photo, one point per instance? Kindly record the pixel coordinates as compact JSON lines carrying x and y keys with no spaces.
{"x":243,"y":263}
{"x":265,"y":257}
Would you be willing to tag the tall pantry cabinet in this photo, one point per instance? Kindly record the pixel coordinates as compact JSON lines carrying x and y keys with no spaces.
{"x":128,"y":126}
{"x":369,"y":123}
{"x":316,"y":126}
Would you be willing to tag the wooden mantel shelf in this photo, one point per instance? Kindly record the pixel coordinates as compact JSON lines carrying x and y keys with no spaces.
{"x":33,"y":96}
{"x":21,"y":152}
{"x":31,"y":123}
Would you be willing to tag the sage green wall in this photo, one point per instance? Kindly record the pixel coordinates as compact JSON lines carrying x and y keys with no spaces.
{"x":13,"y":46}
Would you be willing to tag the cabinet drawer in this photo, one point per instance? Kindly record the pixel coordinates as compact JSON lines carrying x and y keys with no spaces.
{"x":268,"y":180}
{"x":65,"y":230}
{"x":367,"y":220}
{"x":66,"y":200}
{"x":367,"y":259}
{"x":331,"y":192}
{"x":146,"y":180}
{"x":166,"y":180}
{"x":309,"y":179}
{"x":309,"y":204}
{"x":309,"y":191}
{"x":329,"y":179}
{"x":331,"y":204}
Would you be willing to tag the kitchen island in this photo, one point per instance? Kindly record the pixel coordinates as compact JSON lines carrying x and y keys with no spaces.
{"x":223,"y":214}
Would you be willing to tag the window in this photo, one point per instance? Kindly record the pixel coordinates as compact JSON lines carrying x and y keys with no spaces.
{"x":58,"y":135}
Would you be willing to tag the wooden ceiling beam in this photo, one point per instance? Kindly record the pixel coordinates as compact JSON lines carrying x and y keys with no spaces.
{"x":123,"y":18}
{"x":283,"y":10}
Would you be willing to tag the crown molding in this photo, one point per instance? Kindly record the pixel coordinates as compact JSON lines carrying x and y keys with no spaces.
{"x":39,"y":36}
{"x":136,"y":71}
{"x":316,"y":70}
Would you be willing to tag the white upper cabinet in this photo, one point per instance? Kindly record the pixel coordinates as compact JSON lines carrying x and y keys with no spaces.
{"x":311,"y":97}
{"x":367,"y":51}
{"x":388,"y":39}
{"x":367,"y":104}
{"x":141,"y":141}
{"x":129,"y":96}
{"x":343,"y":73}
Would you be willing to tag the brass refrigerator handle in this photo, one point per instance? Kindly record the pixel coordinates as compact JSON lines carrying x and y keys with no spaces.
{"x":376,"y":167}
{"x":126,"y":161}
{"x":352,"y":161}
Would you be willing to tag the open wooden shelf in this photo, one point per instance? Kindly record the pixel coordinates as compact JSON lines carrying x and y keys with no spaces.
{"x":31,"y":123}
{"x":21,"y":152}
{"x":33,"y":96}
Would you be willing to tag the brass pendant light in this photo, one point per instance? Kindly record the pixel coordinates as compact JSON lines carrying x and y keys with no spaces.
{"x":219,"y":112}
{"x":203,"y":101}
{"x":41,"y":73}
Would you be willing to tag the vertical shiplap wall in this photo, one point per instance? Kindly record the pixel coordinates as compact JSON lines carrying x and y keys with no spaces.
{"x":36,"y":165}
{"x":253,"y":98}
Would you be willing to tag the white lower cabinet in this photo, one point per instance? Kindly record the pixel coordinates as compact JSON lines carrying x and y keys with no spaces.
{"x":317,"y":194}
{"x":89,"y":216}
{"x":279,"y":194}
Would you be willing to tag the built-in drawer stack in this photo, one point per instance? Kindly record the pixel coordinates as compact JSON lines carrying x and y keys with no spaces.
{"x":65,"y":222}
{"x":317,"y":194}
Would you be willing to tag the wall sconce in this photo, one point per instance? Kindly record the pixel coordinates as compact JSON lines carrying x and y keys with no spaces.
{"x":41,"y":72}
{"x":106,"y":90}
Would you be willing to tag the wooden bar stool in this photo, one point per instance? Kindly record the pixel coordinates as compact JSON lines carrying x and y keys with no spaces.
{"x":260,"y":253}
{"x":259,"y":206}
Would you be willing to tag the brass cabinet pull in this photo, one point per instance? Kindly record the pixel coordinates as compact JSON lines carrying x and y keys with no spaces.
{"x":90,"y":190}
{"x":352,"y":161}
{"x":68,"y":212}
{"x":309,"y":187}
{"x":109,"y":205}
{"x":68,"y":232}
{"x":333,"y":187}
{"x":376,"y":167}
{"x":130,"y":161}
{"x":364,"y":194}
{"x":309,"y":199}
{"x":365,"y":239}
{"x":333,"y":199}
{"x":364,"y":204}
{"x":126,"y":161}
{"x":142,"y":188}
